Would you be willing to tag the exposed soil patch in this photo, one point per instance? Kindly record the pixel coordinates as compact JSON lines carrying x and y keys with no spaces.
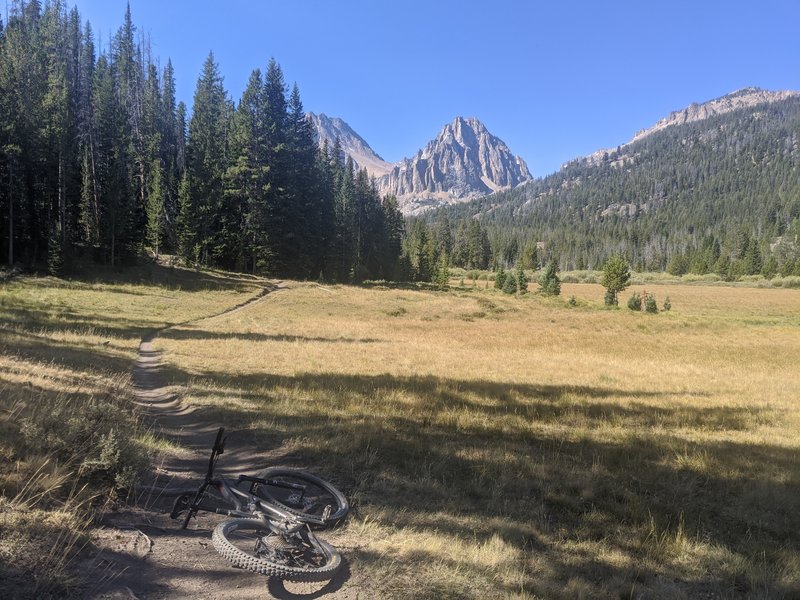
{"x":143,"y":553}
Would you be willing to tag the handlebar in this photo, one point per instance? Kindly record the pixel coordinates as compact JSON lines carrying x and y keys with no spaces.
{"x":216,"y":450}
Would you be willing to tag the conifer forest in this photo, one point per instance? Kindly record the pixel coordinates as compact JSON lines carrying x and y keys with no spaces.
{"x":98,"y":162}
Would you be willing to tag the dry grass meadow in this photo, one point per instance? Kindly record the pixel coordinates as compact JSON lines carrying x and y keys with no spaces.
{"x":496,"y":446}
{"x":69,"y":436}
{"x":492,"y":446}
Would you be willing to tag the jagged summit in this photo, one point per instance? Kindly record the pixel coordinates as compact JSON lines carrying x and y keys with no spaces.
{"x":464,"y":161}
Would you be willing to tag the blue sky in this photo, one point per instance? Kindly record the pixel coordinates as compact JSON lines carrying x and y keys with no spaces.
{"x":555,"y":80}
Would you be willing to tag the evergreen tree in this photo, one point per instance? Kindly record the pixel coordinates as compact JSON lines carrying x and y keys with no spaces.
{"x":205,"y":166}
{"x":521,"y":279}
{"x":500,"y":277}
{"x":549,"y":282}
{"x":442,"y":275}
{"x":616,"y":278}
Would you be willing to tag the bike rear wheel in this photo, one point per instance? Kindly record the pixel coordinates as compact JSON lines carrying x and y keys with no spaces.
{"x":303,"y":494}
{"x":251,"y":545}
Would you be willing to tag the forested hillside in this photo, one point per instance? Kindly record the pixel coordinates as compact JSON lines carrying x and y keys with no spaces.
{"x":720,"y":194}
{"x":98,"y":162}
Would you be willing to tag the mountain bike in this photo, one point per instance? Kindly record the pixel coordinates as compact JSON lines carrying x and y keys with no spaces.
{"x":276,"y":513}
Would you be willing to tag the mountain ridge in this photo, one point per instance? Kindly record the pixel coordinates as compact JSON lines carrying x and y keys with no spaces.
{"x":696,"y":111}
{"x":329,"y":128}
{"x":706,"y":191}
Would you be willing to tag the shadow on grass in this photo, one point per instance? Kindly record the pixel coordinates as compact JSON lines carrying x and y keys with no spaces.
{"x":173,"y":278}
{"x":148,"y":274}
{"x":535,"y":468}
{"x":200,"y":334}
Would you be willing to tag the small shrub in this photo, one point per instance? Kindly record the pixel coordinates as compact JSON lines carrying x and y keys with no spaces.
{"x":510,"y":285}
{"x":500,"y":279}
{"x":667,"y":304}
{"x":650,"y":303}
{"x":549,"y":281}
{"x":635,"y":301}
{"x":573,"y":301}
{"x":522,"y":280}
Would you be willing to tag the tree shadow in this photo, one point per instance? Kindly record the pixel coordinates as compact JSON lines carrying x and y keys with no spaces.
{"x":168,"y":277}
{"x":517,"y":472}
{"x":200,"y":334}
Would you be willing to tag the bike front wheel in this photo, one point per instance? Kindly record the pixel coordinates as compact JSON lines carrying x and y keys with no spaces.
{"x":303,"y":494}
{"x":251,"y":545}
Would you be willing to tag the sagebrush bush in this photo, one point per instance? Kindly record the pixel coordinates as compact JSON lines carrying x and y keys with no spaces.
{"x":93,"y":433}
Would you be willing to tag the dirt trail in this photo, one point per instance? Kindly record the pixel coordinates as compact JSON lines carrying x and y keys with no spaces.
{"x":143,"y":553}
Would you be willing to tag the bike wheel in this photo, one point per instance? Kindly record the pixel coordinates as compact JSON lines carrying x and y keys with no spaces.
{"x":251,"y":545}
{"x":302,"y":494}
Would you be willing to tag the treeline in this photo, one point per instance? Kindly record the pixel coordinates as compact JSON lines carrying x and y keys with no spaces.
{"x":720,"y":195}
{"x":98,"y":161}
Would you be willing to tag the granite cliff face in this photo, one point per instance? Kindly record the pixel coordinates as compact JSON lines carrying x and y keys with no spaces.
{"x":465,"y":161}
{"x":353,"y":145}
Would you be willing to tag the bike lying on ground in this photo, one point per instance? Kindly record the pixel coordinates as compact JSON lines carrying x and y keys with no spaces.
{"x":275,"y":514}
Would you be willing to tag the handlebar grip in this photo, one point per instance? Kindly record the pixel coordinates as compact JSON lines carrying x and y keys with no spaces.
{"x":219,"y":445}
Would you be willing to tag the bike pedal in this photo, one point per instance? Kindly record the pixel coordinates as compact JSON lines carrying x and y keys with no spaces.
{"x":180,"y":506}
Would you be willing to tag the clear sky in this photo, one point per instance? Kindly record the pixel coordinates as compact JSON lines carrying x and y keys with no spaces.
{"x":554,"y":80}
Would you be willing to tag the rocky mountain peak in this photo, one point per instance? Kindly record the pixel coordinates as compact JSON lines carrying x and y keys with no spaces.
{"x":464,"y":161}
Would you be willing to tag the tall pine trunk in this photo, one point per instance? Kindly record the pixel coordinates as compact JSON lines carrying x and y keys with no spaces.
{"x":10,"y":219}
{"x":62,"y":208}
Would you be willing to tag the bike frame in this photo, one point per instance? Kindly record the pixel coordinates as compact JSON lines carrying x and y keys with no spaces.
{"x":245,"y":502}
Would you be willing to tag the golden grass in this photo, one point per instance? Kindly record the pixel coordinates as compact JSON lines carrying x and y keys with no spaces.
{"x":68,"y":429}
{"x":496,"y":446}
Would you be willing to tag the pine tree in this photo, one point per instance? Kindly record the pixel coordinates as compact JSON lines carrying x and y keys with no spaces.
{"x":308,"y":198}
{"x":244,"y":216}
{"x":155,"y":209}
{"x":616,"y":277}
{"x":549,"y":282}
{"x":442,"y":275}
{"x":281,"y":229}
{"x":500,"y":278}
{"x":205,"y":164}
{"x":521,"y":279}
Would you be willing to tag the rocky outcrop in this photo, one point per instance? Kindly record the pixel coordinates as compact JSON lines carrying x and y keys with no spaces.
{"x":353,"y":145}
{"x":744,"y":98}
{"x":465,"y":161}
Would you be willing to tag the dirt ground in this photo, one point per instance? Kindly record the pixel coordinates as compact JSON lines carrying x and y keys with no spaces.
{"x":142,"y":553}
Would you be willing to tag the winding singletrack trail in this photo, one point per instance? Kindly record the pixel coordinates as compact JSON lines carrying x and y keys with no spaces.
{"x":143,"y":553}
